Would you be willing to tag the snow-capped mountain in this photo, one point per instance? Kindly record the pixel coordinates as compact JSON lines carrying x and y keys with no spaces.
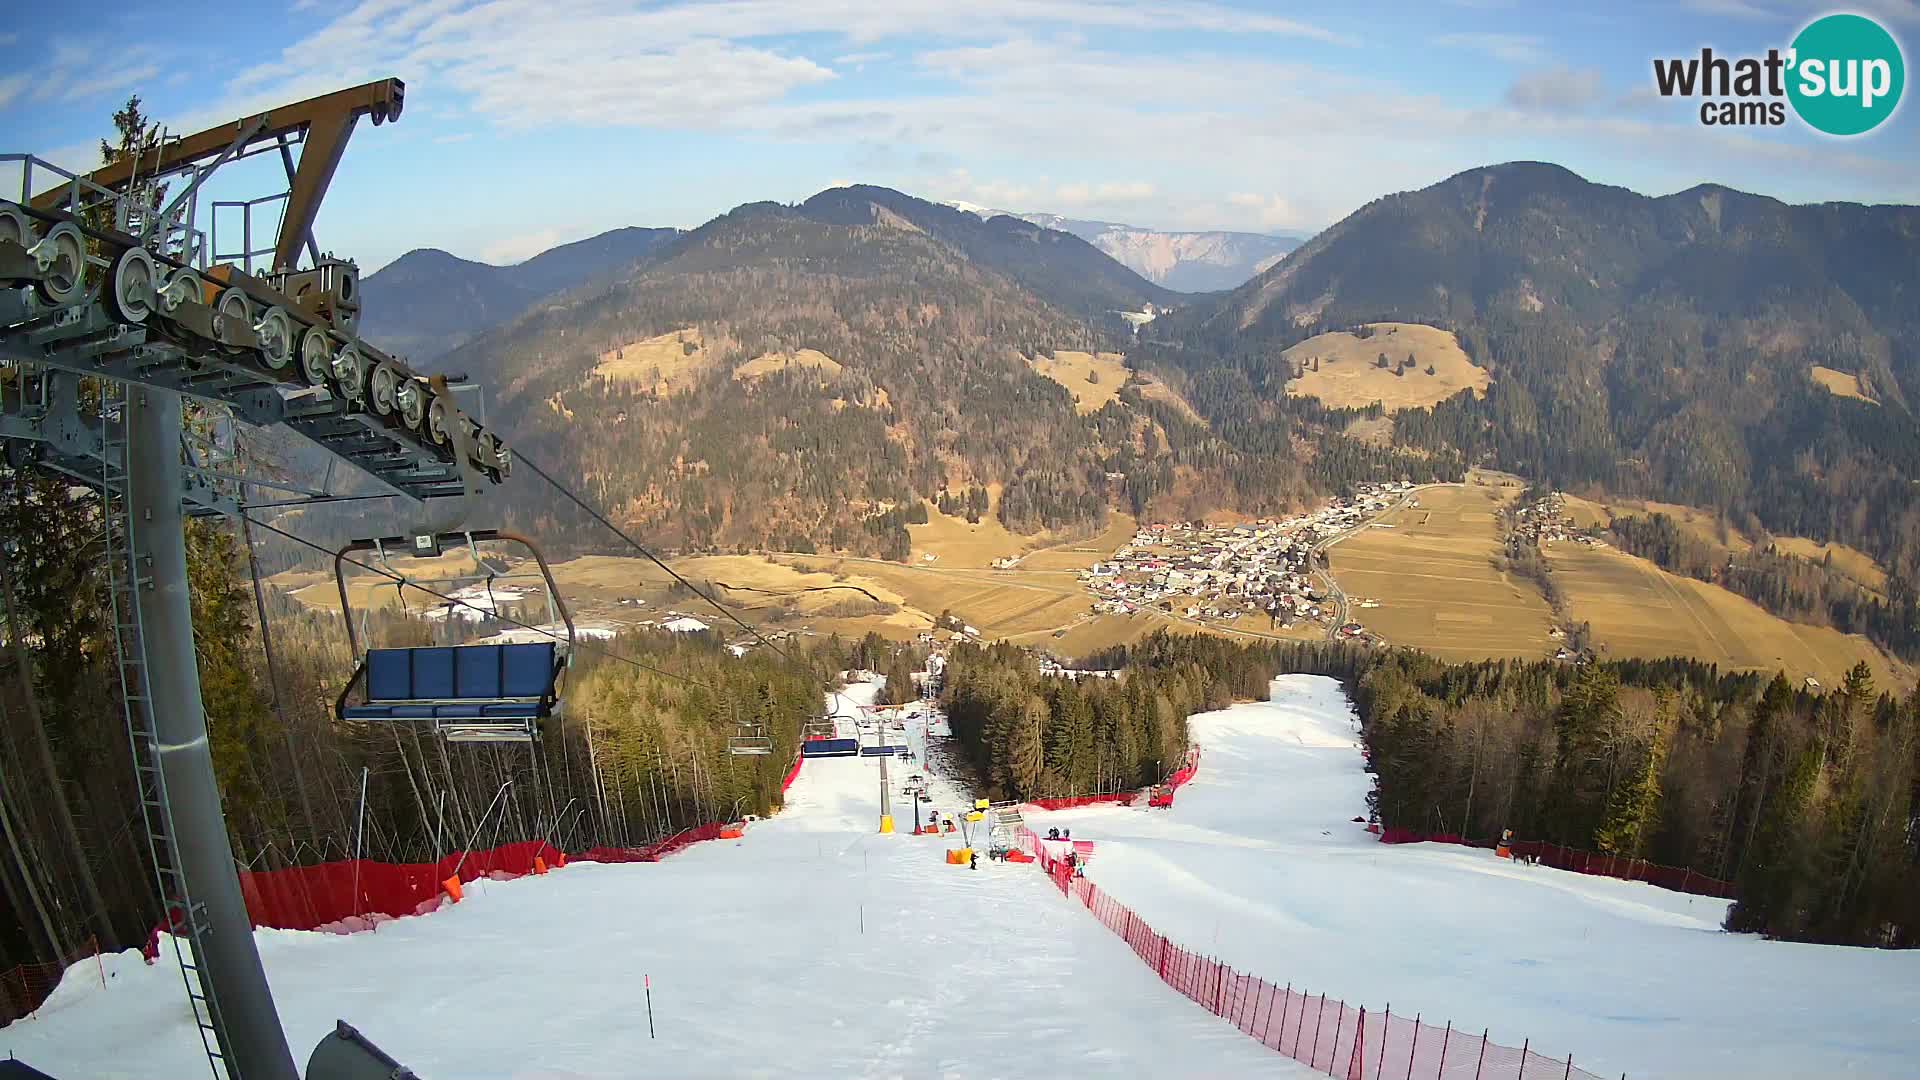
{"x":1184,"y":261}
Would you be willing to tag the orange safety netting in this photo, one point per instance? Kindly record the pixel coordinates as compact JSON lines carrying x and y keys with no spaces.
{"x":24,"y":987}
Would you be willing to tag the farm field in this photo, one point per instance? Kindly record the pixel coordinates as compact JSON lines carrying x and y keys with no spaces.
{"x":1433,"y":575}
{"x":1076,"y":556}
{"x":997,"y":603}
{"x":1638,"y":609}
{"x":1349,"y":375}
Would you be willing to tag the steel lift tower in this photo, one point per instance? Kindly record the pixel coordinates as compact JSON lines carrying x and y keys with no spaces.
{"x":117,"y":310}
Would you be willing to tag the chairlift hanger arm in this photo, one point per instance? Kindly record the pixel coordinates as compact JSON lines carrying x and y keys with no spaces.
{"x":403,"y":543}
{"x":324,"y":123}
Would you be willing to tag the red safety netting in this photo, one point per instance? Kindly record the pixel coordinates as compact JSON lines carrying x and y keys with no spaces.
{"x":1327,"y":1035}
{"x":1560,"y":857}
{"x":654,"y":852}
{"x":355,"y":894}
{"x":1163,"y":795}
{"x":1123,"y":798}
{"x":792,"y":773}
{"x":311,"y":897}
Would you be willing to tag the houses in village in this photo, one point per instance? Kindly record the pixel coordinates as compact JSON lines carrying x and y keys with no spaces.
{"x":1263,"y":570}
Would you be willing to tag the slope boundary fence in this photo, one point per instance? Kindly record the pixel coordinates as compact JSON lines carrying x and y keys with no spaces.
{"x":1327,"y":1035}
{"x":1561,"y":857}
{"x":26,"y":987}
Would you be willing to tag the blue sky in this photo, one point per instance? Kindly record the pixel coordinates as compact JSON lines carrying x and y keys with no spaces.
{"x":535,"y":122}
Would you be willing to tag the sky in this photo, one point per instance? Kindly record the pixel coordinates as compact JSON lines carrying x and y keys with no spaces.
{"x":530,"y":123}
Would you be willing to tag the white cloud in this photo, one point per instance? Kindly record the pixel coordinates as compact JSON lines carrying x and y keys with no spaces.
{"x":10,"y":88}
{"x":461,"y":137}
{"x":520,"y":248}
{"x":1069,"y":105}
{"x":108,"y":79}
{"x":616,"y":62}
{"x":1555,"y":89}
{"x":1797,"y":12}
{"x":1107,"y":193}
{"x":1517,"y":48}
{"x":1268,"y":211}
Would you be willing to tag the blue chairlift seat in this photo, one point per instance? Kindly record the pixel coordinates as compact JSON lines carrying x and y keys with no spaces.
{"x":470,"y":692}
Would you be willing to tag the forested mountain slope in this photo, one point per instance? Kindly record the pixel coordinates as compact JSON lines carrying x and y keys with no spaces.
{"x":1664,"y":347}
{"x":801,"y":377}
{"x":1058,"y":266}
{"x":427,"y":302}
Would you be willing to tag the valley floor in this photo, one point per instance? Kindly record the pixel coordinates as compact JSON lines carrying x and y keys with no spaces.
{"x":1258,"y":863}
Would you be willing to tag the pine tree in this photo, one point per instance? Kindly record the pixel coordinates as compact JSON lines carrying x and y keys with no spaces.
{"x":1634,"y":809}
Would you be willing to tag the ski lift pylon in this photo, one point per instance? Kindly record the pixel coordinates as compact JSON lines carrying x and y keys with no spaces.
{"x":469,"y":693}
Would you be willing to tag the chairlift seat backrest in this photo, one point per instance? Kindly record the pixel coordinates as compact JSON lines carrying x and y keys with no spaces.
{"x":462,"y":682}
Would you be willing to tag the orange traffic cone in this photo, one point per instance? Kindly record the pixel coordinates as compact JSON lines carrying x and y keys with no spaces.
{"x":539,"y":865}
{"x":452,"y":885}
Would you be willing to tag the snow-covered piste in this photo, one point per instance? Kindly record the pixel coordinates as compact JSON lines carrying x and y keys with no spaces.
{"x":1259,"y":863}
{"x":813,"y":947}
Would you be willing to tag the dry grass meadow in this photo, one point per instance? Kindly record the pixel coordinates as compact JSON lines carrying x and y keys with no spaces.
{"x":1071,"y":369}
{"x":1434,"y":578}
{"x":665,"y":364}
{"x":1349,"y":375}
{"x":1854,"y":563}
{"x":1640,"y":610}
{"x":1839,"y":383}
{"x":762,"y":366}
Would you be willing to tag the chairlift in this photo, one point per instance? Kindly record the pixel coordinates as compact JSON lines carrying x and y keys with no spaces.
{"x":821,"y":727}
{"x":752,"y":740}
{"x":498,"y":692}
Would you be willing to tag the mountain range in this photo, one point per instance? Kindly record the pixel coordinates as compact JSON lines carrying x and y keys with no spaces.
{"x":1185,"y":261}
{"x":795,"y":376}
{"x":427,"y":302}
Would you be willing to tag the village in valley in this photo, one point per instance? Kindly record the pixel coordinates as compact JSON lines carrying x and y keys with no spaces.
{"x":1269,"y":571}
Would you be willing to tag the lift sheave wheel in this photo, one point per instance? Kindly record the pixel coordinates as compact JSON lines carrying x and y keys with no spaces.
{"x":14,"y":226}
{"x":133,"y":295}
{"x":62,"y":255}
{"x":316,"y":361}
{"x":275,"y":330}
{"x":182,"y":287}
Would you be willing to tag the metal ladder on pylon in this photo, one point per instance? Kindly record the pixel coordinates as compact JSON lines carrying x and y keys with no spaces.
{"x":183,"y":916}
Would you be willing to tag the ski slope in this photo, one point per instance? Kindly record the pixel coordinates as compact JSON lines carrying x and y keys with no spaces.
{"x":1259,"y":863}
{"x":813,"y":947}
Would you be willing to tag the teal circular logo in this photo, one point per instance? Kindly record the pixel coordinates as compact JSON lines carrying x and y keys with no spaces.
{"x":1847,"y":74}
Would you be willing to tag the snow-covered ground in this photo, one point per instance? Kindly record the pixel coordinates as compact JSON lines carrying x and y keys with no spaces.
{"x":813,"y":947}
{"x":1259,"y":863}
